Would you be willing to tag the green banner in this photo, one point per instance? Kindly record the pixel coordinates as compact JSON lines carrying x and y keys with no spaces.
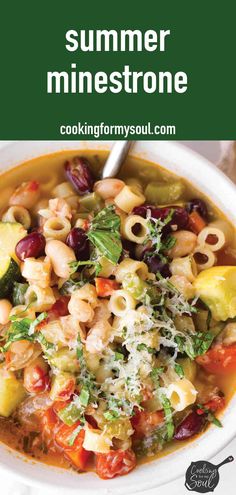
{"x":90,"y":70}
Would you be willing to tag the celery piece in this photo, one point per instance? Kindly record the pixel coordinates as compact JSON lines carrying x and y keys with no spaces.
{"x":161,"y":193}
{"x":90,"y":202}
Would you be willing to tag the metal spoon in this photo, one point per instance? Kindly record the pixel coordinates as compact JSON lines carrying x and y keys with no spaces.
{"x":117,"y":155}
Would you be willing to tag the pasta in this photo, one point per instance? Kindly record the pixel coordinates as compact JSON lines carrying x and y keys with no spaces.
{"x":121,"y":302}
{"x":181,"y":394}
{"x":204,"y":257}
{"x":40,"y":299}
{"x":57,"y":228}
{"x":135,"y":229}
{"x":37,"y":271}
{"x":129,"y":266}
{"x":17,"y":214}
{"x":216,"y":235}
{"x":127,"y":199}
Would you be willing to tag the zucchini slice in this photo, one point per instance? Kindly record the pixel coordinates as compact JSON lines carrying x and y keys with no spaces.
{"x":10,"y":235}
{"x":9,"y":273}
{"x":12,"y":393}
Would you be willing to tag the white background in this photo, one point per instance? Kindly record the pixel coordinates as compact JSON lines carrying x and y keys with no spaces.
{"x":8,"y":486}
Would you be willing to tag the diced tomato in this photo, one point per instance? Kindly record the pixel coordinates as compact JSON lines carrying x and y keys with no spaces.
{"x":115,"y":463}
{"x":58,"y":405}
{"x":105,"y":286}
{"x":219,"y":360}
{"x":196,"y":222}
{"x":75,"y":453}
{"x":8,"y":358}
{"x":145,"y":422}
{"x":215,"y":404}
{"x":58,"y":309}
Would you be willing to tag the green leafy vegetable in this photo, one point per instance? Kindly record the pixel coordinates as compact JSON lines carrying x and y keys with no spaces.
{"x":104,"y":233}
{"x":194,"y":344}
{"x":179,"y":370}
{"x":74,"y":435}
{"x":168,"y":417}
{"x":23,"y":330}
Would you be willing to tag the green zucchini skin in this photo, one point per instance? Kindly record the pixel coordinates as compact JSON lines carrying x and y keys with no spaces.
{"x":11,"y":275}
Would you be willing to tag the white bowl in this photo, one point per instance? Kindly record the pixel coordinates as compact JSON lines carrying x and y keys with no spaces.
{"x":208,"y":179}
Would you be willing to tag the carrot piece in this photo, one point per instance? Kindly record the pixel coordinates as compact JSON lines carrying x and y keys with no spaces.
{"x":105,"y":286}
{"x":196,"y":222}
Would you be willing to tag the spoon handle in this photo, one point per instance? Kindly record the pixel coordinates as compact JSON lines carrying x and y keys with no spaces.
{"x":225,"y":461}
{"x":117,"y":155}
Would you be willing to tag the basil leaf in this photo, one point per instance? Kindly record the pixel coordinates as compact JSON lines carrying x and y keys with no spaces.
{"x":107,"y":243}
{"x":106,"y":219}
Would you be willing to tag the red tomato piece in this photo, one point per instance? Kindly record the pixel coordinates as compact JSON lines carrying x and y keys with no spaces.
{"x":219,"y":360}
{"x":75,"y":453}
{"x":58,"y":309}
{"x":145,"y":422}
{"x":105,"y":286}
{"x":215,"y":404}
{"x":115,"y":463}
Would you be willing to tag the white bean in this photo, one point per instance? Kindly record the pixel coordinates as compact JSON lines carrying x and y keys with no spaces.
{"x":185,"y":243}
{"x":60,"y":255}
{"x":108,"y":188}
{"x":5,"y":309}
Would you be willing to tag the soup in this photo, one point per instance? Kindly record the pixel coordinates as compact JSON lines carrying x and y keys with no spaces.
{"x":117,"y":312}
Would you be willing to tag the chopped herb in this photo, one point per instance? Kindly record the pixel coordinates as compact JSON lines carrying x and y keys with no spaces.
{"x":168,"y":417}
{"x":179,"y":370}
{"x":74,"y":435}
{"x":144,"y":347}
{"x":74,"y":265}
{"x":111,"y":415}
{"x":118,"y":356}
{"x":194,"y":344}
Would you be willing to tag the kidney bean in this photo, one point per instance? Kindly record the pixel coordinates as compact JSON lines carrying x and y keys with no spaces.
{"x":179,"y":218}
{"x":198,"y":205}
{"x":79,"y":173}
{"x":129,"y":246}
{"x":155,"y":264}
{"x":78,"y":241}
{"x":32,"y":245}
{"x":190,"y":426}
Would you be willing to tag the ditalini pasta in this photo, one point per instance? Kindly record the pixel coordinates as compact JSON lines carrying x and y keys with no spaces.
{"x":117,"y":313}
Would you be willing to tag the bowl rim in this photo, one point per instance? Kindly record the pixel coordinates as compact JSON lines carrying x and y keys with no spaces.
{"x":168,"y":150}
